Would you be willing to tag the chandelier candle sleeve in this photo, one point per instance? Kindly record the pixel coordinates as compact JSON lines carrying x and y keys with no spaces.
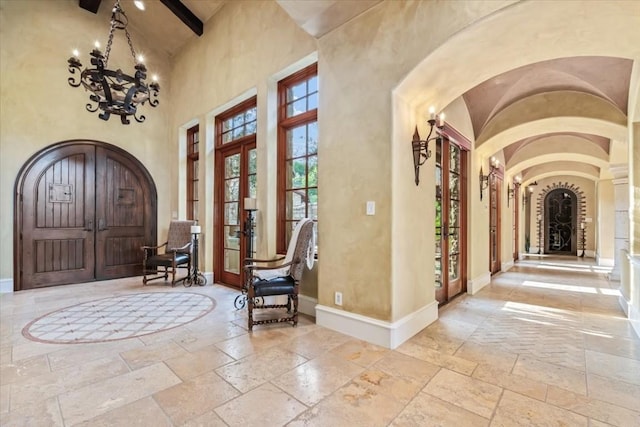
{"x":114,"y":92}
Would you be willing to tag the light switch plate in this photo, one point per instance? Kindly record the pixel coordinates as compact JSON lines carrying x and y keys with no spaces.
{"x":371,"y":207}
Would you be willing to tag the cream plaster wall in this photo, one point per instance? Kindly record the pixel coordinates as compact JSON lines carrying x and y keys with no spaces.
{"x":365,"y":158}
{"x":605,"y":222}
{"x":39,"y":108}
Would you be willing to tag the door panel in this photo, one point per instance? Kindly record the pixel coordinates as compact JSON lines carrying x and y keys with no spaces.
{"x":231,"y":238}
{"x":120,"y":214}
{"x":495,"y":184}
{"x":560,"y":218}
{"x":57,"y":231}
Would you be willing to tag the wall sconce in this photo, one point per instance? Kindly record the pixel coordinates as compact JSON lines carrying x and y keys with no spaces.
{"x":420,"y":147}
{"x":494,"y":165}
{"x":511,"y":192}
{"x":527,"y":197}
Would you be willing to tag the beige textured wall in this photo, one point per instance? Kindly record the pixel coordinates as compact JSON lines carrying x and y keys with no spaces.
{"x":38,"y":107}
{"x":605,"y":222}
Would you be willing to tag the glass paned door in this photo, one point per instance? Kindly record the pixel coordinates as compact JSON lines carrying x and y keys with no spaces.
{"x":450,"y":220}
{"x":495,"y":184}
{"x":237,"y":179}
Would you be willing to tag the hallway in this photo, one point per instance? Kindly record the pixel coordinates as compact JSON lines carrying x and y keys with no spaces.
{"x":544,"y":344}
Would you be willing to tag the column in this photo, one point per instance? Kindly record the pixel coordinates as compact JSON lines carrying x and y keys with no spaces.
{"x":621,"y":205}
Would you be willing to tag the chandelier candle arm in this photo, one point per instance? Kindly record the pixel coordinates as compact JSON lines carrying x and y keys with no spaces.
{"x":420,"y":147}
{"x":114,"y":92}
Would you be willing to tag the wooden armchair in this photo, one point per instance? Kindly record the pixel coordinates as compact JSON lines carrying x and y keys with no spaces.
{"x":282,"y":279}
{"x":177,"y":254}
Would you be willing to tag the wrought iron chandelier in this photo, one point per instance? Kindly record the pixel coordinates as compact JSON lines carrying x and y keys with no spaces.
{"x":114,"y":92}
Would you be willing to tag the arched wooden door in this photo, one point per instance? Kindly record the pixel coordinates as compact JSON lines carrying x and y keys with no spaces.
{"x":83,"y":210}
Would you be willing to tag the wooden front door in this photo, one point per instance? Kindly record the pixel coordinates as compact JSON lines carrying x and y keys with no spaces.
{"x":83,"y":209}
{"x":451,"y":200}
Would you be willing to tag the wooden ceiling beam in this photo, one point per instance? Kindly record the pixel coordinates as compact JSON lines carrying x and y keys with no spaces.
{"x":185,"y":15}
{"x":90,"y":5}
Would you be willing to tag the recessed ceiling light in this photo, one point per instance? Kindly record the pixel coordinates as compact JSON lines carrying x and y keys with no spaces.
{"x":139,"y":4}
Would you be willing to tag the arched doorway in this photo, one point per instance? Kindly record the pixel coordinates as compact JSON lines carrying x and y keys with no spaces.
{"x":560,"y":217}
{"x":82,"y":211}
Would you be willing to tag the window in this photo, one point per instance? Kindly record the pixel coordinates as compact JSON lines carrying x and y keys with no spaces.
{"x":297,"y":151}
{"x":193,"y":138}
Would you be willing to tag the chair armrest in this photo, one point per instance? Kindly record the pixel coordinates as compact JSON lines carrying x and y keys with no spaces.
{"x":183,"y":249}
{"x":250,"y":268}
{"x":153,"y":247}
{"x":252,"y":260}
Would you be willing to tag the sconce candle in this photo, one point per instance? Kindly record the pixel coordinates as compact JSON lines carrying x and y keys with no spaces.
{"x":582,"y":225}
{"x":250,"y":204}
{"x":195,"y":229}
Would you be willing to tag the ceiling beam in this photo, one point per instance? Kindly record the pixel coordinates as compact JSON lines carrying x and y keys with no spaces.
{"x":90,"y":5}
{"x":185,"y":15}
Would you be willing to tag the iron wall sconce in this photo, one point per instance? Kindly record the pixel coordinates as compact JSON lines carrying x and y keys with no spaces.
{"x":527,"y":197}
{"x":420,"y":147}
{"x":511,"y":192}
{"x":494,"y":165}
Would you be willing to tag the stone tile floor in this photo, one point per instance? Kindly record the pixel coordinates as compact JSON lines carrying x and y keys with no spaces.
{"x":544,"y":344}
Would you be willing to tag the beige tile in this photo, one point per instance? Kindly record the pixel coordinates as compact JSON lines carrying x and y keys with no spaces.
{"x":53,"y":383}
{"x":198,"y":337}
{"x":402,"y":366}
{"x":316,"y":379}
{"x":255,"y":370}
{"x":441,"y":342}
{"x":567,"y":378}
{"x":440,"y":359}
{"x":194,"y":397}
{"x":243,"y":410}
{"x":6,"y":355}
{"x":148,"y":355}
{"x":193,"y":364}
{"x":608,"y":365}
{"x":5,"y":398}
{"x":208,"y":419}
{"x":378,"y":382}
{"x":316,"y":342}
{"x":96,"y":399}
{"x":517,"y":383}
{"x":28,"y":349}
{"x":593,"y":408}
{"x":427,"y":410}
{"x":596,"y":423}
{"x":45,"y":413}
{"x":245,"y":345}
{"x":610,"y":344}
{"x":613,"y":391}
{"x":517,"y":410}
{"x":22,"y":370}
{"x":141,"y":413}
{"x":473,"y":395}
{"x":360,"y":352}
{"x":352,"y":405}
{"x":487,"y":355}
{"x":74,"y":354}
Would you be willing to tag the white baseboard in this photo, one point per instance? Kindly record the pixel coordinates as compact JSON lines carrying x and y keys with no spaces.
{"x":605,"y":262}
{"x":385,"y":334}
{"x":506,"y":266}
{"x":624,"y":304}
{"x":6,"y":286}
{"x":634,"y":318}
{"x":307,"y":305}
{"x":474,"y":285}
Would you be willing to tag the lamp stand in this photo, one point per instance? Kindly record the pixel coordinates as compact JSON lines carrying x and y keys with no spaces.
{"x":195,"y":277}
{"x":583,"y":240}
{"x":248,"y":233}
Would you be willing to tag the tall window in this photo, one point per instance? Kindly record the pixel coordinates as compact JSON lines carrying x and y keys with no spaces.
{"x":297,"y":151}
{"x":193,"y":138}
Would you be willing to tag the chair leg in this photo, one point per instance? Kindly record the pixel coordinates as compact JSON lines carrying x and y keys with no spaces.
{"x":250,"y":297}
{"x":295,"y":310}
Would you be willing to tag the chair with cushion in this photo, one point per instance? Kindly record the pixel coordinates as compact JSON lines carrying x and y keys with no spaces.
{"x":177,"y":254}
{"x":281,"y":279}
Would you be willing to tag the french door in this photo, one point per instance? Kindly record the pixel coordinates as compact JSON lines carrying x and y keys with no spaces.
{"x":236,"y":180}
{"x":451,"y":190}
{"x":495,"y":184}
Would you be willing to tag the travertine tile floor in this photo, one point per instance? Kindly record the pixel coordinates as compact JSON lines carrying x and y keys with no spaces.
{"x":544,"y":344}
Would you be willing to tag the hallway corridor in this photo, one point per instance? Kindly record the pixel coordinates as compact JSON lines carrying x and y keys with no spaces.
{"x":544,"y":344}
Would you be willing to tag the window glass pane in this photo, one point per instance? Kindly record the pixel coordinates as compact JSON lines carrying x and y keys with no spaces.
{"x":232,"y":166}
{"x":312,"y":102}
{"x":454,"y":185}
{"x":232,"y":261}
{"x":226,"y":137}
{"x":250,"y":128}
{"x":238,"y":120}
{"x":453,"y":267}
{"x":312,"y":138}
{"x":454,"y":240}
{"x":454,"y":158}
{"x":231,"y":239}
{"x":253,"y":186}
{"x":296,"y":204}
{"x":253,"y":161}
{"x":231,"y":213}
{"x":312,"y":205}
{"x":297,"y":107}
{"x":454,"y":217}
{"x":438,"y":281}
{"x":238,"y":132}
{"x":296,"y":92}
{"x":231,"y":193}
{"x":297,"y":141}
{"x":312,"y":177}
{"x":312,"y":84}
{"x":227,"y":125}
{"x":250,"y":115}
{"x":288,"y":231}
{"x":297,"y":173}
